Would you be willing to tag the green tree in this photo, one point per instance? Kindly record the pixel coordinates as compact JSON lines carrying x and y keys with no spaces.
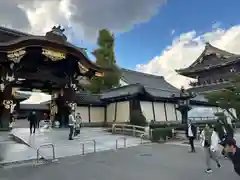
{"x":105,"y":57}
{"x":227,"y":98}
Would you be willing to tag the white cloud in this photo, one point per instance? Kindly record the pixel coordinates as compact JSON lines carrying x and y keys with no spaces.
{"x":173,"y":31}
{"x":84,"y":17}
{"x":186,"y":48}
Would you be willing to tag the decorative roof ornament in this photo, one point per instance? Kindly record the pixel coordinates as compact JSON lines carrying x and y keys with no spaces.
{"x":57,"y":33}
{"x":58,"y":30}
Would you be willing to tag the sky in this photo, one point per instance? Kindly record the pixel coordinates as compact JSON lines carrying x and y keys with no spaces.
{"x":152,"y":36}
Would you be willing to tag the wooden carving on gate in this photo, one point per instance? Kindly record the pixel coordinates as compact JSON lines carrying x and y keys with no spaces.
{"x":53,"y":55}
{"x":53,"y":109}
{"x":16,"y":55}
{"x":7,"y":104}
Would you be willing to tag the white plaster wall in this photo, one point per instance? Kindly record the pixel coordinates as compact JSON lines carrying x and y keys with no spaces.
{"x":111,"y":112}
{"x":97,"y":114}
{"x":202,"y":111}
{"x":179,"y":115}
{"x":159,"y":111}
{"x":123,"y":114}
{"x":170,"y":109}
{"x":83,"y":110}
{"x":147,"y":110}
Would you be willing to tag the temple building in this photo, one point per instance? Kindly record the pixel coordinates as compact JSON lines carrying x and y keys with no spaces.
{"x":153,"y":93}
{"x":47,"y":63}
{"x":212,"y":70}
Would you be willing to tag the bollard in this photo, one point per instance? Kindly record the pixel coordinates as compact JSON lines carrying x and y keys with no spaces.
{"x":94,"y":145}
{"x":83,"y":149}
{"x":134,"y":131}
{"x":116,"y":144}
{"x":125,"y":142}
{"x":46,"y":145}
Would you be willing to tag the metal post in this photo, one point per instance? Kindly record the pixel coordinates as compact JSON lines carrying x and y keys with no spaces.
{"x":116,"y":144}
{"x":46,"y":145}
{"x":83,"y":149}
{"x":53,"y":150}
{"x":37,"y":155}
{"x":113,"y":128}
{"x":125,"y":142}
{"x":94,"y":146}
{"x":134,"y":131}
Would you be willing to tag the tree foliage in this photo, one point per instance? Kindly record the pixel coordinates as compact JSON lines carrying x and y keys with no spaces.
{"x":227,"y":98}
{"x":105,"y":57}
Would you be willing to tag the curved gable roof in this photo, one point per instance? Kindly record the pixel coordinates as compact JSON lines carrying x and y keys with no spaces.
{"x":146,"y":80}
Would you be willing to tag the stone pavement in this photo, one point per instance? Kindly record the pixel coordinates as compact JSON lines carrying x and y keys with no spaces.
{"x":11,"y":151}
{"x":64,"y":147}
{"x":151,"y":162}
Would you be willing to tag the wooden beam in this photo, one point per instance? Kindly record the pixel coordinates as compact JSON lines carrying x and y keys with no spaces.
{"x":165,"y":111}
{"x":175,"y":108}
{"x":89,"y":114}
{"x":115,"y":115}
{"x":153,"y":109}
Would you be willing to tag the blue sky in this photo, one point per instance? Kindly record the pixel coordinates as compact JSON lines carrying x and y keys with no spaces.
{"x":147,"y":40}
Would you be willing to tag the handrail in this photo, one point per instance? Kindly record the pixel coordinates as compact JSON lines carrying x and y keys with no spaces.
{"x":46,"y":145}
{"x":83,"y":146}
{"x":124,"y":141}
{"x":133,"y":128}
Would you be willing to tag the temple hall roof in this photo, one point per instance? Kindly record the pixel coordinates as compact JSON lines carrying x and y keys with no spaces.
{"x":210,"y":87}
{"x":211,"y":57}
{"x":141,"y":84}
{"x":147,"y":80}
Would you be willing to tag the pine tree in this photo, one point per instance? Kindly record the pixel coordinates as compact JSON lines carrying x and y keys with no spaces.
{"x":105,"y":57}
{"x":228,"y":98}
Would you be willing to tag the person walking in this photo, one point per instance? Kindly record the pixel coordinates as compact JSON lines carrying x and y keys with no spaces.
{"x":222,"y":133}
{"x":191,"y":132}
{"x":78,"y":124}
{"x":32,"y":118}
{"x":71,"y":123}
{"x":233,"y":152}
{"x":210,"y":140}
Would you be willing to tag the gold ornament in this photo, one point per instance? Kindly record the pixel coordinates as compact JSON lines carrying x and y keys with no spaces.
{"x":53,"y":55}
{"x":16,"y":55}
{"x":7,"y":104}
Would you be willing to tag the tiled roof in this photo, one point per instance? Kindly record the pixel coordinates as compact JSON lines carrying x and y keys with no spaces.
{"x":85,"y":98}
{"x":147,"y":80}
{"x":224,"y":58}
{"x":13,"y":32}
{"x":124,"y":91}
{"x":21,"y":95}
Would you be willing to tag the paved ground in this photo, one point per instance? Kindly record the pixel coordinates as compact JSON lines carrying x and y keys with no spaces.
{"x":151,"y":162}
{"x":64,"y":147}
{"x":11,"y":151}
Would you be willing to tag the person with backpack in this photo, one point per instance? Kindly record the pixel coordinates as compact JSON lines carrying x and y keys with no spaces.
{"x":210,"y":142}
